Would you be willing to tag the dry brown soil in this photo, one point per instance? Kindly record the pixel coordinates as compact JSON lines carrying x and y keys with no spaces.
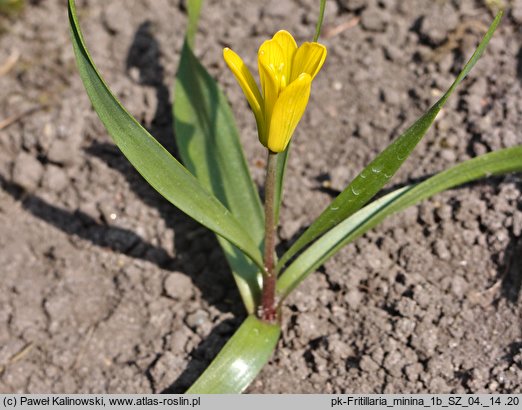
{"x":105,"y":287}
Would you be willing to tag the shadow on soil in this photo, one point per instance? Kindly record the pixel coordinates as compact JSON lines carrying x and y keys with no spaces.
{"x":203,"y":354}
{"x":197,"y":252}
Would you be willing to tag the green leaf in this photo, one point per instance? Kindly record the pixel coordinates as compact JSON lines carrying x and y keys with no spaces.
{"x":240,"y":361}
{"x":320,"y":19}
{"x":194,"y":10}
{"x":151,"y":160}
{"x":494,"y":163}
{"x":208,"y":143}
{"x":383,"y":167}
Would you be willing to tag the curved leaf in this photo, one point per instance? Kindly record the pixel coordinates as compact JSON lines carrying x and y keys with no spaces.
{"x":209,"y":146}
{"x":151,"y":160}
{"x":383,"y":167}
{"x":240,"y":360}
{"x":499,"y":162}
{"x":320,"y":19}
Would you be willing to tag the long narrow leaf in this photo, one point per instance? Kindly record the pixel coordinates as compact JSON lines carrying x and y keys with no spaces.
{"x":194,"y":10}
{"x":208,"y":143}
{"x":494,"y":163}
{"x":239,"y":362}
{"x":384,"y":166}
{"x":151,"y":160}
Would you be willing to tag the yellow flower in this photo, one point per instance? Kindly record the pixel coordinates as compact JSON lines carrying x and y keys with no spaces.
{"x":286,"y":73}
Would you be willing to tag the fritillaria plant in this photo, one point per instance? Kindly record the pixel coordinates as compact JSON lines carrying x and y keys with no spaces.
{"x":215,"y":188}
{"x":286,"y":73}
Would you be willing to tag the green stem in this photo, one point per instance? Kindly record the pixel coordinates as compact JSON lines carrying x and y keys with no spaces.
{"x":320,"y":20}
{"x":269,"y":312}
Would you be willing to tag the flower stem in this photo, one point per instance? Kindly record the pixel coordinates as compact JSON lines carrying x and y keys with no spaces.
{"x":269,"y":312}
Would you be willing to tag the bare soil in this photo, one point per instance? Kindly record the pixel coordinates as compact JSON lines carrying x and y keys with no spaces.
{"x":105,"y":287}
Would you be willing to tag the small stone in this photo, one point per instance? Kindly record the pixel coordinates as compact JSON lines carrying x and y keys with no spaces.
{"x":441,"y":250}
{"x":27,"y":171}
{"x":368,"y":365}
{"x":406,"y":307}
{"x":392,"y":363}
{"x":116,"y":18}
{"x":441,"y":366}
{"x":196,"y":319}
{"x":178,"y":286}
{"x":404,"y":327}
{"x":365,"y":130}
{"x":439,"y":385}
{"x":55,"y":179}
{"x":437,"y":24}
{"x":425,"y":340}
{"x":413,"y":371}
{"x":479,"y":148}
{"x":448,"y":155}
{"x":339,"y":349}
{"x":374,"y":20}
{"x":444,"y":212}
{"x":353,"y":298}
{"x":509,"y":138}
{"x":459,"y":286}
{"x":61,"y":152}
{"x":308,"y":328}
{"x":281,"y":9}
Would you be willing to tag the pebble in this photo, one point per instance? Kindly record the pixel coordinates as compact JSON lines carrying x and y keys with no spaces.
{"x":55,"y":179}
{"x":448,"y":155}
{"x":444,"y":212}
{"x":62,"y":152}
{"x":368,"y":365}
{"x":309,"y":327}
{"x":436,"y":25}
{"x":404,"y":327}
{"x":509,"y":138}
{"x":196,"y":319}
{"x":178,"y":286}
{"x":406,"y":307}
{"x":27,"y":171}
{"x":425,"y":340}
{"x":353,"y":297}
{"x":441,"y":250}
{"x":459,"y":286}
{"x":413,"y":371}
{"x":392,"y":363}
{"x":374,"y":20}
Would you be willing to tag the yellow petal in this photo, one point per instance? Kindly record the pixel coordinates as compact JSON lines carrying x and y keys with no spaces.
{"x":271,"y":53}
{"x":288,"y":47}
{"x":270,"y":60}
{"x":246,"y":82}
{"x":270,"y":94}
{"x":309,"y":59}
{"x":287,"y":112}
